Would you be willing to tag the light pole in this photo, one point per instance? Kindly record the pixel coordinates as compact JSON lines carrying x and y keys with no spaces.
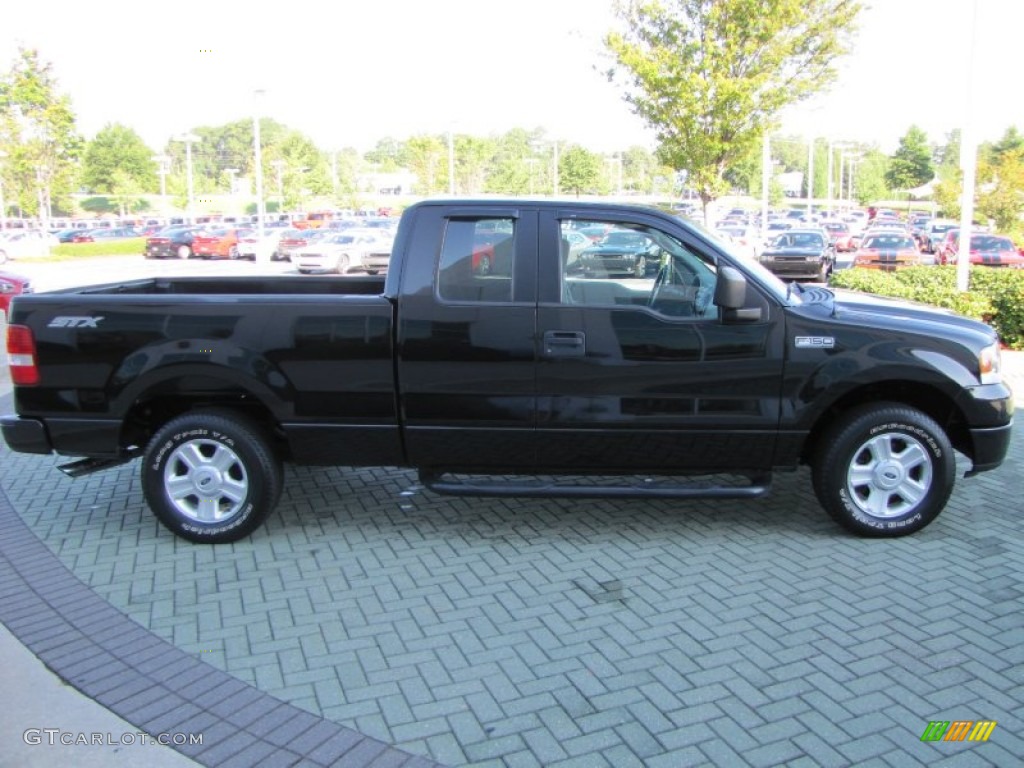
{"x":554,"y":165}
{"x":189,"y":139}
{"x":616,"y":159}
{"x":852,"y":157}
{"x":532,"y":162}
{"x":261,"y":209}
{"x":162,"y":162}
{"x":831,"y":160}
{"x":766,"y":179}
{"x":279,"y":165}
{"x":3,"y":206}
{"x":451,"y":162}
{"x":810,"y":176}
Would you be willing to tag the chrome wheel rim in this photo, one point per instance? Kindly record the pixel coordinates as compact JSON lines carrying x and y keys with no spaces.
{"x":889,"y":475}
{"x":206,"y":481}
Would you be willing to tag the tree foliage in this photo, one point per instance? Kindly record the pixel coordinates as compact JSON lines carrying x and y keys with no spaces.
{"x":38,"y":134}
{"x":118,"y":149}
{"x":579,"y":170}
{"x":911,"y":165}
{"x":711,"y":75}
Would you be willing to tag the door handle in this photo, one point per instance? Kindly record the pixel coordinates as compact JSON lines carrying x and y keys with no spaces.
{"x":565,"y":344}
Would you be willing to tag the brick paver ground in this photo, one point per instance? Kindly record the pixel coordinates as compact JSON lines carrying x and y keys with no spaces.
{"x":580,"y":633}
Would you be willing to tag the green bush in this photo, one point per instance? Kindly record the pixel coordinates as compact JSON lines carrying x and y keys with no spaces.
{"x":119,"y":247}
{"x":995,"y":296}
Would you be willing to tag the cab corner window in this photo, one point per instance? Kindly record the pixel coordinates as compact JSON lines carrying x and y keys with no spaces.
{"x":476,"y":260}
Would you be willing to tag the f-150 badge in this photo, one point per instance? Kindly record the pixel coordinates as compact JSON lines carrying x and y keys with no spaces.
{"x":74,"y":322}
{"x":815,"y":342}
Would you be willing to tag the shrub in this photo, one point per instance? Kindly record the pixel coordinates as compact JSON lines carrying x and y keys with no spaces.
{"x":127,"y":246}
{"x":995,"y":296}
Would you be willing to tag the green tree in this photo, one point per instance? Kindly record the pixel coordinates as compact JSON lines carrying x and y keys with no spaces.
{"x":118,"y":148}
{"x":426,"y":156}
{"x":911,"y":164}
{"x":710,"y":76}
{"x":869,"y":184}
{"x":37,"y":131}
{"x":579,"y":169}
{"x":1001,"y":181}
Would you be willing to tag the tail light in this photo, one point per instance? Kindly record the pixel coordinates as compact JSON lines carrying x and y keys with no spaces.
{"x":21,"y":355}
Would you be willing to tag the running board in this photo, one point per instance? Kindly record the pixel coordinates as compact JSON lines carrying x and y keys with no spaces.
{"x":760,"y":485}
{"x":84,"y":467}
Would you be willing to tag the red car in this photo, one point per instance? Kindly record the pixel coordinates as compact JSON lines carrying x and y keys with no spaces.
{"x":218,"y":243}
{"x":986,"y":250}
{"x":12,"y":285}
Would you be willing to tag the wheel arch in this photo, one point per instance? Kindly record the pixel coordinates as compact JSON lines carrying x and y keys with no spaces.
{"x":929,"y":399}
{"x":174,"y":395}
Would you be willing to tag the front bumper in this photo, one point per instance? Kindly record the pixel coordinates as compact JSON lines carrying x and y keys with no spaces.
{"x":793,"y":267}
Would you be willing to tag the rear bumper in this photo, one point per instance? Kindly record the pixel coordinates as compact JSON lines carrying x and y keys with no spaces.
{"x":25,"y":435}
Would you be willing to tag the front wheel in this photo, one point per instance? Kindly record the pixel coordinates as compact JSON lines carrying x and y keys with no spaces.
{"x":211,"y":477}
{"x":184,"y":252}
{"x":885,"y":470}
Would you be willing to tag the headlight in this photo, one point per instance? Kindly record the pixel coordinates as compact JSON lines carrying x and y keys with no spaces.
{"x":990,"y":365}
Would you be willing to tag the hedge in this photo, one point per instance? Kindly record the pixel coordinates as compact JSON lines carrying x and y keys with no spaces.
{"x":115,"y":247}
{"x":994,"y":295}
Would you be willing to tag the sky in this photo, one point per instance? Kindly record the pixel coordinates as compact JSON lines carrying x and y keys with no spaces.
{"x":347,"y":74}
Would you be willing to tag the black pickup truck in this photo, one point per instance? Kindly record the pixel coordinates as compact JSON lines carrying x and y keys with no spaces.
{"x":496,"y":362}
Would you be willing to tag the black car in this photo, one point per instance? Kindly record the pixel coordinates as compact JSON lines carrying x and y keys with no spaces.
{"x":621,"y":252}
{"x":171,"y":243}
{"x":802,"y":253}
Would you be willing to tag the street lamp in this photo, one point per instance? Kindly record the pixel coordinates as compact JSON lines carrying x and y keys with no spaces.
{"x":189,"y":139}
{"x":162,"y":162}
{"x":851,"y":157}
{"x":279,"y":165}
{"x":831,"y":159}
{"x":451,"y":162}
{"x":616,"y":159}
{"x":3,"y":206}
{"x":538,"y":145}
{"x":261,"y":210}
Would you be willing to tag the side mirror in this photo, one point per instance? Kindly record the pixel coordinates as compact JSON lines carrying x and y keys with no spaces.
{"x":731,"y":295}
{"x":731,"y":288}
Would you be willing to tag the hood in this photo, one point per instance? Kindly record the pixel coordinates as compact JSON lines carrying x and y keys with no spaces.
{"x":911,"y":317}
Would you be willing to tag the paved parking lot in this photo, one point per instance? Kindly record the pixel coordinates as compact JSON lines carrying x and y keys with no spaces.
{"x":579,"y":633}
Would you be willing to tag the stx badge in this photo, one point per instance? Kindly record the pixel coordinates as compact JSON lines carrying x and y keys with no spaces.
{"x":74,"y":322}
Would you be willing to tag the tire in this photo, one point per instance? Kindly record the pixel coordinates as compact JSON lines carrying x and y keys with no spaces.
{"x":217,"y":454}
{"x":305,"y":271}
{"x":233,"y":253}
{"x":184,"y":252}
{"x":885,"y":470}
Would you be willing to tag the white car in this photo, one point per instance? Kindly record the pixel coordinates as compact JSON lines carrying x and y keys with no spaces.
{"x":21,"y":243}
{"x":251,"y":246}
{"x":351,"y":250}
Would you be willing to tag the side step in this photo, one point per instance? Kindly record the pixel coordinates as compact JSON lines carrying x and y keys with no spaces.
{"x":87,"y":466}
{"x":642,"y":489}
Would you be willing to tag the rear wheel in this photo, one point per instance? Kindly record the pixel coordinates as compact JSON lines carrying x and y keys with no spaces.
{"x":885,"y":470}
{"x":184,"y":252}
{"x":211,"y":477}
{"x":342,"y":266}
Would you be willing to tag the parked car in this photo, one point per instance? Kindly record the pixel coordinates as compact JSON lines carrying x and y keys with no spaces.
{"x":986,"y":250}
{"x":745,"y":239}
{"x":839,"y":234}
{"x":888,"y":251}
{"x":353,"y":250}
{"x":66,"y":235}
{"x":104,"y":233}
{"x":799,"y":253}
{"x":621,"y":252}
{"x":21,"y":243}
{"x":171,"y":243}
{"x":12,"y":285}
{"x":934,"y":234}
{"x":217,"y":243}
{"x":293,"y":239}
{"x":251,"y":246}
